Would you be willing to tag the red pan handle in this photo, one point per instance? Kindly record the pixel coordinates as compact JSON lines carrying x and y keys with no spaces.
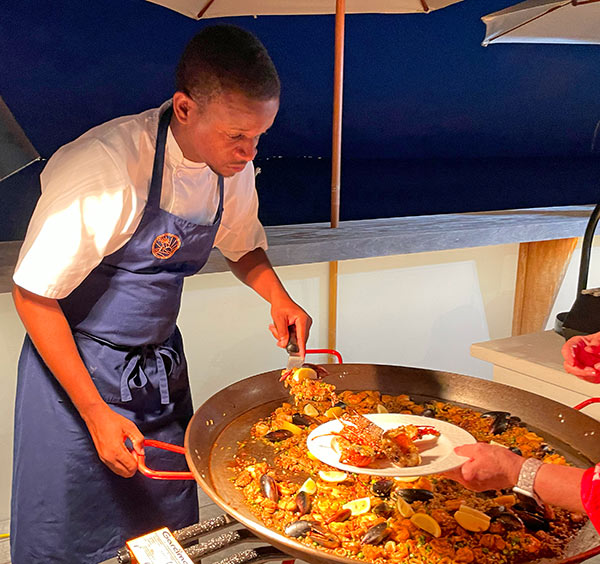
{"x":585,"y":403}
{"x":285,"y":373}
{"x":326,"y":351}
{"x":158,"y":474}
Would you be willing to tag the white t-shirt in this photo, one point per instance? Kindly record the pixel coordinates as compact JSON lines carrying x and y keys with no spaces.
{"x":94,"y":191}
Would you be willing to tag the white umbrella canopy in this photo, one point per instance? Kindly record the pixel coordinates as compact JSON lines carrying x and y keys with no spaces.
{"x":545,"y":21}
{"x":225,"y":8}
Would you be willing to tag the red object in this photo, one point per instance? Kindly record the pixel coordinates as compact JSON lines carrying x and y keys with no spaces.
{"x":590,"y":494}
{"x":158,"y":474}
{"x":326,"y":351}
{"x":582,"y":357}
{"x":423,"y":430}
{"x":590,"y":483}
{"x":355,"y":458}
{"x":315,"y":351}
{"x":586,"y":402}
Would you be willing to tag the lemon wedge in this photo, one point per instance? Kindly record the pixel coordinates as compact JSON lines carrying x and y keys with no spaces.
{"x":406,"y":478}
{"x":309,"y":486}
{"x":404,"y":508}
{"x":472,"y":511}
{"x":471,"y":522}
{"x":427,"y":523}
{"x":333,"y":476}
{"x":311,"y":456}
{"x":304,"y":373}
{"x":381,"y":408}
{"x":291,"y":427}
{"x":334,"y":412}
{"x":310,"y":410}
{"x":358,"y":506}
{"x":508,"y":500}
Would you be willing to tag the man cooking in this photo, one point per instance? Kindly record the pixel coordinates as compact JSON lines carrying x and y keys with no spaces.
{"x":127,"y":211}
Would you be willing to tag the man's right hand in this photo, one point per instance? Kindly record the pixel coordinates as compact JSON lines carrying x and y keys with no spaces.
{"x":109,"y":431}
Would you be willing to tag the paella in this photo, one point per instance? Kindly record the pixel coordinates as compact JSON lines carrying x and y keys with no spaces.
{"x":418,"y":519}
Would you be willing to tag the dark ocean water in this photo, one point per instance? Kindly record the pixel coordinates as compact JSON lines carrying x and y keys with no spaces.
{"x":298,"y":190}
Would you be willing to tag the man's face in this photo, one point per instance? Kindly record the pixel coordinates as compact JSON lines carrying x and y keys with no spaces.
{"x":225,"y":133}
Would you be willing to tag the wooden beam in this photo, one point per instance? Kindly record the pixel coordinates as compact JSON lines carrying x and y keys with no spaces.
{"x":332,"y":309}
{"x":540,"y":272}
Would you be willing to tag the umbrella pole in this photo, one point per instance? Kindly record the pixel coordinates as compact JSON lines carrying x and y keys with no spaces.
{"x":338,"y":86}
{"x":336,"y":160}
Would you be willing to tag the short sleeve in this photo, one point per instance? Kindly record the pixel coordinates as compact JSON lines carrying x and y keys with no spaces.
{"x":240,"y":231}
{"x":87,"y":210}
{"x":590,"y":494}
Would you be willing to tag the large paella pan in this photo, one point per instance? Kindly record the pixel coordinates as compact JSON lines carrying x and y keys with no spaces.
{"x":219,"y":425}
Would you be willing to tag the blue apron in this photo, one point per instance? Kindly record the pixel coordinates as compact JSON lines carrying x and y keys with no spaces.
{"x":67,"y":506}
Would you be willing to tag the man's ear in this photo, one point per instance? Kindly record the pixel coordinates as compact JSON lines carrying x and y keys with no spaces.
{"x":182,"y":106}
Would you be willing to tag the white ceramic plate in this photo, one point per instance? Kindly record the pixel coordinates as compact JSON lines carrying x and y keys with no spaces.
{"x":439,"y":458}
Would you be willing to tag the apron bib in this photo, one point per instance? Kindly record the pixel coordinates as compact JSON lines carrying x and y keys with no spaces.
{"x":67,"y":506}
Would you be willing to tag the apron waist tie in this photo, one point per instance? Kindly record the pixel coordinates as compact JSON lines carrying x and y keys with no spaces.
{"x":134,"y":375}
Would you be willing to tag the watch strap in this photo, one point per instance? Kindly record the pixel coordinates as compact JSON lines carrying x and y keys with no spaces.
{"x":526,"y":478}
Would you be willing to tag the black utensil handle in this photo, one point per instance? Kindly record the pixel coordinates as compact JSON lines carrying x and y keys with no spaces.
{"x":203,"y":527}
{"x":214,"y":544}
{"x":255,"y":556}
{"x":292,"y":346}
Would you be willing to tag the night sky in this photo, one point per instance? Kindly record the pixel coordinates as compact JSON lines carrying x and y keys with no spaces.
{"x":433,"y":121}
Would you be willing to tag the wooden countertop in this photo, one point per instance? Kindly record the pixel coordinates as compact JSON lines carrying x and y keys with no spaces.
{"x":537,"y":355}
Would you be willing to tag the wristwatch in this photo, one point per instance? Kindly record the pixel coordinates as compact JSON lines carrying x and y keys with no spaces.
{"x":526,"y":479}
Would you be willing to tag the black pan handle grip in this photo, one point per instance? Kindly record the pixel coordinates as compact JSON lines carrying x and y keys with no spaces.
{"x":255,"y":556}
{"x":220,"y":542}
{"x":292,"y":346}
{"x":202,"y":528}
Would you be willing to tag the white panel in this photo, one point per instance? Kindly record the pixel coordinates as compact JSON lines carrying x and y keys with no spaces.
{"x":11,"y":339}
{"x":426,"y":316}
{"x":225,"y":326}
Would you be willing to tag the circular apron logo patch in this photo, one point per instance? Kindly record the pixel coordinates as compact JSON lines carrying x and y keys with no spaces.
{"x":165,"y":245}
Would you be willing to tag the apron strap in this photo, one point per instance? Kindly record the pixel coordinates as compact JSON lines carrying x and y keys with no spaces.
{"x":159,"y":159}
{"x":219,"y":213}
{"x":158,"y":166}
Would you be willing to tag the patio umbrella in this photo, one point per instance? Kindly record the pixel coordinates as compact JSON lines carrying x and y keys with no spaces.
{"x":226,"y":8}
{"x":545,"y":21}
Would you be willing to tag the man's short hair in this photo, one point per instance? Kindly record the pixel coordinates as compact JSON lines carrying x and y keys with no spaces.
{"x":226,"y":58}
